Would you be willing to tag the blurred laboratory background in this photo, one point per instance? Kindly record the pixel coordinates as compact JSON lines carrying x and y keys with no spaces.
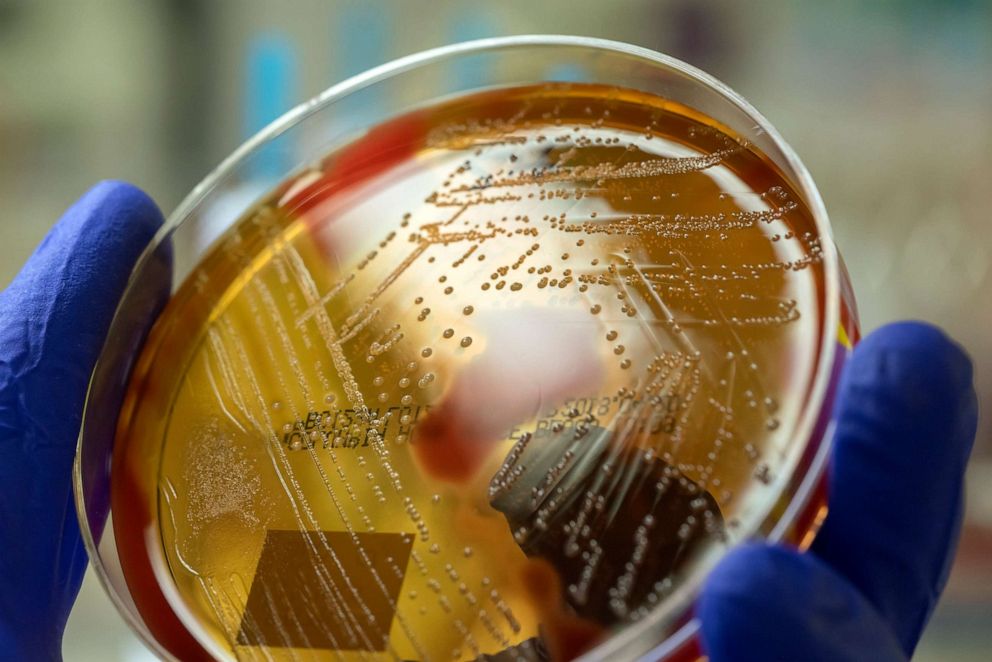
{"x":889,"y":104}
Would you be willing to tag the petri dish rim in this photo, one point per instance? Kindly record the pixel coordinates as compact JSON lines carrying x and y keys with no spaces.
{"x":637,"y":640}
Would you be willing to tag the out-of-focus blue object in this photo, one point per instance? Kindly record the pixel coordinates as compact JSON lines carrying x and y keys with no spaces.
{"x":467,"y":25}
{"x":270,"y":90}
{"x":53,"y":319}
{"x":906,"y":421}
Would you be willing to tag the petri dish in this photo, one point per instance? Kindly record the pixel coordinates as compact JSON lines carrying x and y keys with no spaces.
{"x":491,"y":352}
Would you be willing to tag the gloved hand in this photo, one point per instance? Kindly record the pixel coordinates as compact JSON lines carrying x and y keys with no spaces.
{"x":53,"y":320}
{"x":906,"y":420}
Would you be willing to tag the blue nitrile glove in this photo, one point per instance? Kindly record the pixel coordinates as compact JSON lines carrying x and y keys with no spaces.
{"x":53,"y":319}
{"x":906,"y":420}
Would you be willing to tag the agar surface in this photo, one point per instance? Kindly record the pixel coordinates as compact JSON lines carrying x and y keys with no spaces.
{"x":498,"y":399}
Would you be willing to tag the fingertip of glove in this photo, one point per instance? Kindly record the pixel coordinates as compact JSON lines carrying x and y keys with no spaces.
{"x":101,"y":236}
{"x":912,"y":381}
{"x":119,"y":201}
{"x":920,"y":357}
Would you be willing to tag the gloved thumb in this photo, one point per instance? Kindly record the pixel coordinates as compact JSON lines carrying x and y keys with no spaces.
{"x":56,"y":312}
{"x":53,"y":319}
{"x":770,"y":604}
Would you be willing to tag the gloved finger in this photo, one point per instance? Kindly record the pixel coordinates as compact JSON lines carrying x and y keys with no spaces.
{"x":53,"y":319}
{"x":906,"y":421}
{"x":771,"y":604}
{"x":57,"y":310}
